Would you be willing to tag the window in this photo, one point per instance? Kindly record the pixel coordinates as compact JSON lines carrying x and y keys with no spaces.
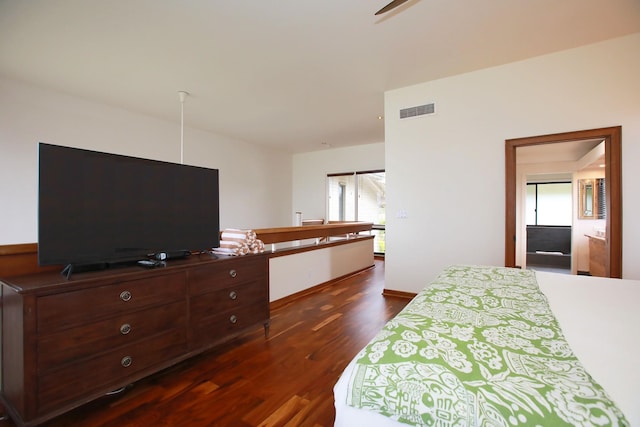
{"x":341,"y":203}
{"x":549,"y":203}
{"x":359,"y":196}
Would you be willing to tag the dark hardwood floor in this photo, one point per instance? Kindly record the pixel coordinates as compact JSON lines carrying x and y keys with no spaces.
{"x":284,"y":380}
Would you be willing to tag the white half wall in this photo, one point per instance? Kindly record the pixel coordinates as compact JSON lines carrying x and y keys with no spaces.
{"x":294,"y":273}
{"x":255,"y":182}
{"x":446,"y":170}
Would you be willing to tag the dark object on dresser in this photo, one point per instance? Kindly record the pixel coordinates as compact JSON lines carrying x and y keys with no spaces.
{"x":97,"y":210}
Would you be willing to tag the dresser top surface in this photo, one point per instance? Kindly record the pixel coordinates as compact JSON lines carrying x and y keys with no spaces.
{"x":56,"y":282}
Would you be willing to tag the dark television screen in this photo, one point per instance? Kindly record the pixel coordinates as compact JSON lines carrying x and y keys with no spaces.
{"x":96,"y":207}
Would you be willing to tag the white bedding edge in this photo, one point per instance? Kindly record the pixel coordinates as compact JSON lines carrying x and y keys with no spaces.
{"x":599,"y":317}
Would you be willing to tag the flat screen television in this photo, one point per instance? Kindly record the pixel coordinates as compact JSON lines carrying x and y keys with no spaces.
{"x":98,"y":208}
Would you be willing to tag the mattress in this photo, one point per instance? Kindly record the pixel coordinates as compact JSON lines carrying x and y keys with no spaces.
{"x":598,"y":318}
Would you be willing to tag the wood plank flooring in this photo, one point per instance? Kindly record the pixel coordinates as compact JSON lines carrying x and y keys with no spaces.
{"x":285,"y":380}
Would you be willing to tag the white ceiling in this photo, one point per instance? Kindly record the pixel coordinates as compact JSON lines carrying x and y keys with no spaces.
{"x":298,"y":75}
{"x":567,"y":151}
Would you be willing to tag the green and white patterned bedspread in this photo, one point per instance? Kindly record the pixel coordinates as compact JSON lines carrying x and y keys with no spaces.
{"x":478,"y":347}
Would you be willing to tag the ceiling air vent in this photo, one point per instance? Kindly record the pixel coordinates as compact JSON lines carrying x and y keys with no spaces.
{"x":420,"y":110}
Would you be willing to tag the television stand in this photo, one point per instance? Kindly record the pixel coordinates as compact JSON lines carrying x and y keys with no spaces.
{"x":67,"y":342}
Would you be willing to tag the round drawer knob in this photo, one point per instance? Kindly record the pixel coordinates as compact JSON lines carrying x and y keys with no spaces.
{"x":126,"y":361}
{"x":125,"y":329}
{"x":233,"y":318}
{"x":125,"y":296}
{"x":233,"y":273}
{"x":233,"y":295}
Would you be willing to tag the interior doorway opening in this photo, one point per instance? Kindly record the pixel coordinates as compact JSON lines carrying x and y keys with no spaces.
{"x":548,"y":218}
{"x":612,"y":235}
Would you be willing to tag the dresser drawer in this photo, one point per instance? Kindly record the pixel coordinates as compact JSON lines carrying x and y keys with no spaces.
{"x":226,"y":299}
{"x":226,"y":273}
{"x":82,"y":341}
{"x":79,"y":379}
{"x":216,"y":326}
{"x":61,"y":311}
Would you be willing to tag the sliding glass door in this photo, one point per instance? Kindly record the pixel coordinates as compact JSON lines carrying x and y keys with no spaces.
{"x":359,"y":196}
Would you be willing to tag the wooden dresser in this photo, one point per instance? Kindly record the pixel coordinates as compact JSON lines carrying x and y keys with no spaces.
{"x":67,"y":342}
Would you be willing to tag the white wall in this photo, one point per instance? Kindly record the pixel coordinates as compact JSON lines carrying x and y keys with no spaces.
{"x":310,"y":172}
{"x":447,"y":170}
{"x":255,"y":182}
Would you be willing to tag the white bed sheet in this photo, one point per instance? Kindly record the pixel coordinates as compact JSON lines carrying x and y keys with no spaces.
{"x":600,"y":318}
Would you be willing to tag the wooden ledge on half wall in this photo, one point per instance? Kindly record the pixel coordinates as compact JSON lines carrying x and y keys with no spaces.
{"x":322,"y":233}
{"x":22,"y":258}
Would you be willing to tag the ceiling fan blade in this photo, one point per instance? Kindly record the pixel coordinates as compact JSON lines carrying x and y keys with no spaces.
{"x":392,"y":5}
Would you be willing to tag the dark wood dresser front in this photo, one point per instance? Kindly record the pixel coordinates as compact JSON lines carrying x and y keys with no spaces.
{"x":67,"y":342}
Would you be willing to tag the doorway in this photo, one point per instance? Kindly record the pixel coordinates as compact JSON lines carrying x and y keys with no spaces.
{"x":546,"y":223}
{"x":612,"y":137}
{"x":359,"y":196}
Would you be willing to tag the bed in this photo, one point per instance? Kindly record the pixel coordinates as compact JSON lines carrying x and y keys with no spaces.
{"x":494,"y":346}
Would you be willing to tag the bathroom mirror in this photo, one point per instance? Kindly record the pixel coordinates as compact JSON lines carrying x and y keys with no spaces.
{"x":592,"y":198}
